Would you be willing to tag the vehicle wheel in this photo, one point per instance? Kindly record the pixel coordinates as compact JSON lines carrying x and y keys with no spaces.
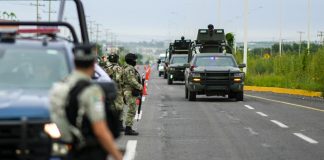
{"x":240,"y":96}
{"x":231,"y":95}
{"x":192,"y":96}
{"x":165,"y":76}
{"x":186,"y":92}
{"x":170,"y":81}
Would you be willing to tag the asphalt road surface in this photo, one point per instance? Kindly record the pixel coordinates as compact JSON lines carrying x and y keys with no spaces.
{"x":265,"y":126}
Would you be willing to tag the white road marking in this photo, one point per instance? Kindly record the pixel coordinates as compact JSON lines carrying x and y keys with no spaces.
{"x":287,"y":103}
{"x":249,"y":107}
{"x":130,"y":150}
{"x":309,"y":140}
{"x":279,"y":124}
{"x":262,"y":114}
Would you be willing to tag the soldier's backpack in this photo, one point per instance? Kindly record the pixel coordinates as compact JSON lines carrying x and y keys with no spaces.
{"x":66,"y":116}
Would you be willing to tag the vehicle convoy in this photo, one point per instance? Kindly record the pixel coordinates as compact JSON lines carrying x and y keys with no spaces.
{"x":178,"y":57}
{"x":160,"y":64}
{"x":28,"y":68}
{"x":213,"y":70}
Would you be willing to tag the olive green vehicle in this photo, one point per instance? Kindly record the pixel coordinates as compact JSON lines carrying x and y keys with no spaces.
{"x":213,"y":71}
{"x":176,"y":68}
{"x":179,"y":52}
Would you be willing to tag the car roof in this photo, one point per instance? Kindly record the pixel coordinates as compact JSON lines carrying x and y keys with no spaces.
{"x":37,"y":43}
{"x":214,"y":54}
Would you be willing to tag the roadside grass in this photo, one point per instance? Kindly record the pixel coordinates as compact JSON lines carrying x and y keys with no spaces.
{"x":287,"y":71}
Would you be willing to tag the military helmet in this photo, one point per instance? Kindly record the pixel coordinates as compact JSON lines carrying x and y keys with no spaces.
{"x":113,"y":58}
{"x":130,"y":59}
{"x":210,"y":27}
{"x":130,"y":56}
{"x":84,"y":52}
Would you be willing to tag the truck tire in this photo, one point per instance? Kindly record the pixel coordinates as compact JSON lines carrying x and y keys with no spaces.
{"x":186,"y":92}
{"x":165,"y":76}
{"x":240,"y":96}
{"x":231,"y":95}
{"x":192,"y":96}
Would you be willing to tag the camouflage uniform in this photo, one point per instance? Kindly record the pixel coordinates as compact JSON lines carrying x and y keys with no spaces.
{"x":90,"y":102}
{"x":116,"y":73}
{"x":131,"y":81}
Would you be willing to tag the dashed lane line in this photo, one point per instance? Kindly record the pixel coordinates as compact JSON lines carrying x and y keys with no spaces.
{"x":279,"y":124}
{"x":262,"y":114}
{"x":130,"y":150}
{"x":305,"y":138}
{"x":249,"y":107}
{"x":287,"y":103}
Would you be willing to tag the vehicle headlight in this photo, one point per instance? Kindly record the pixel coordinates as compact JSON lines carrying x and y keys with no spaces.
{"x":52,"y":130}
{"x":195,"y":74}
{"x":241,"y":75}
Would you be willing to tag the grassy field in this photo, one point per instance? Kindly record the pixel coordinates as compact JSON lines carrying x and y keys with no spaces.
{"x":287,"y":71}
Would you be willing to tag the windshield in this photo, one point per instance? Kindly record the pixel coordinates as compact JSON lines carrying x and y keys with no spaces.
{"x":219,"y":61}
{"x":31,"y":68}
{"x":180,"y":60}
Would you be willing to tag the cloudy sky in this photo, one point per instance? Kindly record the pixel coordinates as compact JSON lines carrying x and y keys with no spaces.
{"x":136,"y":20}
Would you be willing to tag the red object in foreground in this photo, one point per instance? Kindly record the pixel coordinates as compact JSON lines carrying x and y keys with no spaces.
{"x":39,"y":30}
{"x":137,"y":101}
{"x":144,"y":90}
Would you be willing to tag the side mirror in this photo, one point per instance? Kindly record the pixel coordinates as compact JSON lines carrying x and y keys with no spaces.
{"x":187,"y":65}
{"x":242,"y":65}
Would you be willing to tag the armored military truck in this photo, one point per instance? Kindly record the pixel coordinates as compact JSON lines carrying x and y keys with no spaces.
{"x":178,"y":57}
{"x":213,"y":70}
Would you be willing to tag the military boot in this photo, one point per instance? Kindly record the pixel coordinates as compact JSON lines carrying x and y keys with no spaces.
{"x":129,"y":131}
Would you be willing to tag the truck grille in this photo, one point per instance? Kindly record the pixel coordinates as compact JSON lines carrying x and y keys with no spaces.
{"x":24,"y":140}
{"x":217,"y":79}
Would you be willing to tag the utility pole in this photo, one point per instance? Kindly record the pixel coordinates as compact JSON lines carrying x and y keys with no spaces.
{"x":308,"y":26}
{"x":320,"y":34}
{"x":300,"y":40}
{"x":246,"y":13}
{"x":50,"y":12}
{"x":37,"y":9}
{"x":280,"y":27}
{"x":97,"y":33}
{"x":91,"y":29}
{"x":219,"y":12}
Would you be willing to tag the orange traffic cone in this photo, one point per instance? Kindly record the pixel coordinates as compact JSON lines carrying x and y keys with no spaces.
{"x":145,"y":90}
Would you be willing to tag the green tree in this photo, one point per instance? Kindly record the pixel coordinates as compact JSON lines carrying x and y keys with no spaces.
{"x":230,"y":38}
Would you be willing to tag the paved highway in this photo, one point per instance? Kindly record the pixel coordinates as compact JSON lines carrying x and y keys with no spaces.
{"x":265,"y":126}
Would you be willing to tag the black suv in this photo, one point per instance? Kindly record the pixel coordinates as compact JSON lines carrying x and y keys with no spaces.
{"x":214,"y":74}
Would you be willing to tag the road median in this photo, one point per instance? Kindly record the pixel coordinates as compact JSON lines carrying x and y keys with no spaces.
{"x":284,"y":91}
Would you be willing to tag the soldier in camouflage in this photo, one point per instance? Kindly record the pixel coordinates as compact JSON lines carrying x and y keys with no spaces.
{"x":103,"y":61}
{"x":90,"y":104}
{"x":132,"y":90}
{"x":115,"y":71}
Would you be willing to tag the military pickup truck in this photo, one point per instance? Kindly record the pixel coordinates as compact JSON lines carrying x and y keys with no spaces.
{"x":213,"y":70}
{"x":178,"y":56}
